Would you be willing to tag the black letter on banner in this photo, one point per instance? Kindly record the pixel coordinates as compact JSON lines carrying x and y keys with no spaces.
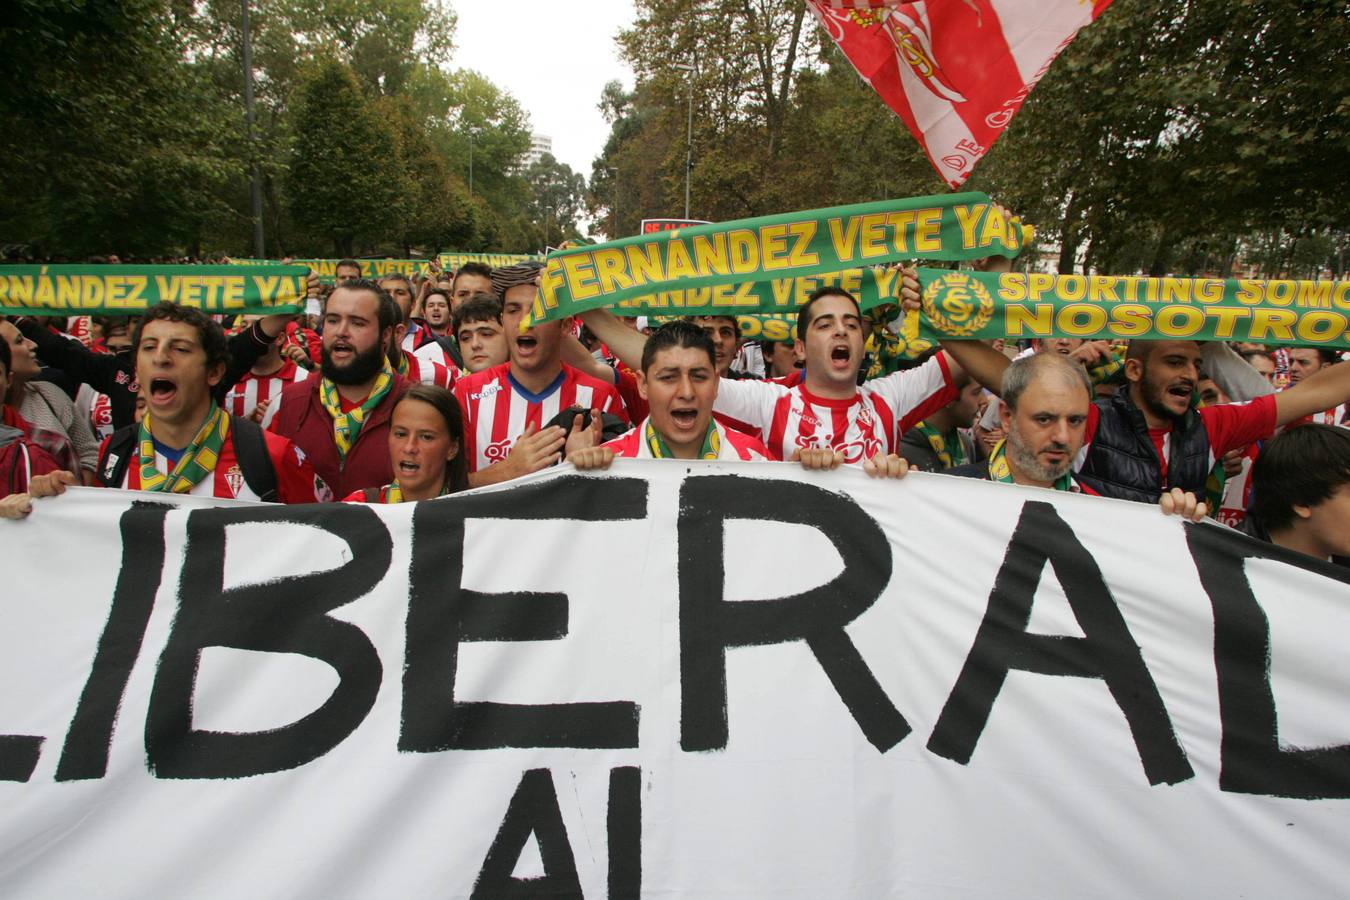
{"x":1251,"y":760}
{"x":85,"y":754}
{"x":534,"y":809}
{"x":709,"y":624}
{"x":19,"y":756}
{"x":1108,"y":651}
{"x":283,"y":616}
{"x":441,"y":614}
{"x":623,"y":825}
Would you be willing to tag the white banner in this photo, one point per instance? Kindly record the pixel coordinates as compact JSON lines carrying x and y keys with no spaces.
{"x":708,"y":680}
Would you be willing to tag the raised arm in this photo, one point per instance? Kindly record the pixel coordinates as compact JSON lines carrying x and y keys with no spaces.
{"x":98,"y":370}
{"x":1323,"y":390}
{"x":576,"y":356}
{"x":623,"y":342}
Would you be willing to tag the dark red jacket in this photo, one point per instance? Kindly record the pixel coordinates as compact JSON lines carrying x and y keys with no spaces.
{"x":303,"y":419}
{"x":20,"y":458}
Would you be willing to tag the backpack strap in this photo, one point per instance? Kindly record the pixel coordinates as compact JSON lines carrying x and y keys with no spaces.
{"x":117,"y":454}
{"x":250,"y":447}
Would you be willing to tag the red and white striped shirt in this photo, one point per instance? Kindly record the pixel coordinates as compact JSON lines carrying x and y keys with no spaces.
{"x":497,"y":409}
{"x":732,"y":444}
{"x":296,"y":480}
{"x":254,"y":389}
{"x":870,"y":422}
{"x":1333,"y":416}
{"x":425,"y":367}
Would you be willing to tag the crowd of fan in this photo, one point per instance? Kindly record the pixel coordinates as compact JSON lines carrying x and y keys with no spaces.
{"x":412,"y":388}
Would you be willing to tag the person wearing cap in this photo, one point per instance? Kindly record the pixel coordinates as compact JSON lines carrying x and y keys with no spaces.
{"x":826,"y":412}
{"x":678,"y":379}
{"x":505,"y":406}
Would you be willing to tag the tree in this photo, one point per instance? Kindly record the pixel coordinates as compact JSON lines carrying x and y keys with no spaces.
{"x":112,"y":141}
{"x":557,"y":196}
{"x":347,"y":180}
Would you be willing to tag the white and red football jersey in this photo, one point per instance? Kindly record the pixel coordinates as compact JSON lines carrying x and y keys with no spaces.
{"x":254,"y":389}
{"x":1333,"y":416}
{"x":497,"y":409}
{"x":296,"y":479}
{"x":792,"y":418}
{"x":732,"y":444}
{"x":425,"y":366}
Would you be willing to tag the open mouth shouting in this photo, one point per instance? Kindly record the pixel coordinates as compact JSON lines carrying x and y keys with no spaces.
{"x":841,"y":357}
{"x":162,"y":391}
{"x":684,"y":418}
{"x":342,"y":352}
{"x":1179,"y":394}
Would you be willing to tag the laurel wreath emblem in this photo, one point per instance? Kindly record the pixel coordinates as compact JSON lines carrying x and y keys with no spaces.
{"x":957,"y":305}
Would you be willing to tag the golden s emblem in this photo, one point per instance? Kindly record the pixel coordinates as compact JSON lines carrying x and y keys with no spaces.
{"x":957,"y":305}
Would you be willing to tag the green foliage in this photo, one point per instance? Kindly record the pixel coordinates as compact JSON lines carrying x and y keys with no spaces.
{"x":1165,"y":139}
{"x":110,"y":138}
{"x":347,"y":180}
{"x":556,"y":198}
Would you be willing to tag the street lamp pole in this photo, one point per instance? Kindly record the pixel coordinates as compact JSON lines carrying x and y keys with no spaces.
{"x":689,"y":134}
{"x":255,"y":188}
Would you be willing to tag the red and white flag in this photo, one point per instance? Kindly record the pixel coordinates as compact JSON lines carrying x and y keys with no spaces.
{"x":956,"y":71}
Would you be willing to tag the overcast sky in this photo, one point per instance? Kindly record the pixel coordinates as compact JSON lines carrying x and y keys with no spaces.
{"x":553,"y":58}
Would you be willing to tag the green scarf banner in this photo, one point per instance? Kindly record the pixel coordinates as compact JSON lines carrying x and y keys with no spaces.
{"x":62,"y":290}
{"x":760,"y":265}
{"x":453,"y":261}
{"x":326,"y":269}
{"x":1019,"y":305}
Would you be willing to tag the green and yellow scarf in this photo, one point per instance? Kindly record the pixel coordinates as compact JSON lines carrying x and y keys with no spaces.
{"x":198,"y":460}
{"x":712,"y":443}
{"x":347,"y":425}
{"x":999,"y":470}
{"x":949,"y":447}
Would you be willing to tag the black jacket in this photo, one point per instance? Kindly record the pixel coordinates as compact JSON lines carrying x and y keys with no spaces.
{"x":1123,"y":463}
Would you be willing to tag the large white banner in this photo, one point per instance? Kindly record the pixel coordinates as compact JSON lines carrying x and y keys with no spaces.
{"x":704,"y":680}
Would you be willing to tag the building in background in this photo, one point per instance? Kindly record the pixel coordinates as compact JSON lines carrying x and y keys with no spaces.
{"x":539,"y":145}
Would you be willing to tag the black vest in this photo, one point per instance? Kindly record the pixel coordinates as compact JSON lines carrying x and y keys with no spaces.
{"x":1123,"y":463}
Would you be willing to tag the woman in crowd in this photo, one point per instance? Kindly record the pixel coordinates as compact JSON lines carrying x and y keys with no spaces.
{"x":426,"y":434}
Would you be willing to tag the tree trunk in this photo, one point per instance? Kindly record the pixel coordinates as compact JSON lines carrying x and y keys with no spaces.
{"x":1162,"y":257}
{"x":1068,"y":240}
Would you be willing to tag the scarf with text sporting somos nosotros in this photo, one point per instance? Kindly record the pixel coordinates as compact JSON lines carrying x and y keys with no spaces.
{"x":1020,"y":305}
{"x":199,"y":459}
{"x":999,"y":470}
{"x":64,"y":290}
{"x":711,"y":449}
{"x":347,"y":425}
{"x":770,"y":263}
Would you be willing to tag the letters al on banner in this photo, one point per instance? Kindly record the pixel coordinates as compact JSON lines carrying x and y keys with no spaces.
{"x":956,"y":688}
{"x":82,"y":290}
